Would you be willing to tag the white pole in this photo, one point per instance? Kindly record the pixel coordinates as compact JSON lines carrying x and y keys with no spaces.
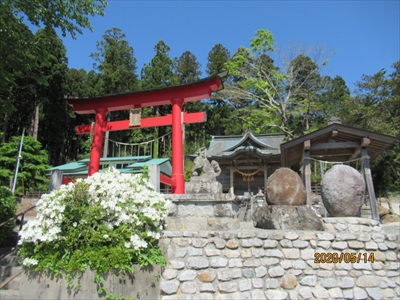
{"x":18,"y":158}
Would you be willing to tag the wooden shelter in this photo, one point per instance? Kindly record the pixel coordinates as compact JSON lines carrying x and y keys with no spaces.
{"x":337,"y":143}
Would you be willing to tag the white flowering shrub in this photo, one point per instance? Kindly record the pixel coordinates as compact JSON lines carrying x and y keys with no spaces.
{"x":107,"y":221}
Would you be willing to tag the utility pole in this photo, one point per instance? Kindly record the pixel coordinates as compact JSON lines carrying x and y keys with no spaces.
{"x":18,"y":159}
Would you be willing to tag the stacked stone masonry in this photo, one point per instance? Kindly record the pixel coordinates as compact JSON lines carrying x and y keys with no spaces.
{"x":271,"y":264}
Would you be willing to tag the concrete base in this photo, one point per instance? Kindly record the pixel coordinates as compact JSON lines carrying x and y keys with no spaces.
{"x":36,"y":285}
{"x":203,"y":212}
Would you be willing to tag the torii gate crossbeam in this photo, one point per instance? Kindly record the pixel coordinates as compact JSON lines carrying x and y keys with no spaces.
{"x":175,"y":95}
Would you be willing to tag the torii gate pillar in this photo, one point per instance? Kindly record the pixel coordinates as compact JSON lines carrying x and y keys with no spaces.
{"x":177,"y":152}
{"x":97,"y":142}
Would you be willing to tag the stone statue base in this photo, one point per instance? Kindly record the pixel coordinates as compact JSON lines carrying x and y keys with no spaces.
{"x":285,"y":217}
{"x":196,"y":186}
{"x":202,"y":212}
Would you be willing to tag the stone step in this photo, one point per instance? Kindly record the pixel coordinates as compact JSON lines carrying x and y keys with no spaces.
{"x":9,"y":295}
{"x":7,"y":271}
{"x":9,"y":259}
{"x":14,"y":284}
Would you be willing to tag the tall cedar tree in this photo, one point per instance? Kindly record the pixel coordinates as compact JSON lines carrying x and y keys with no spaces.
{"x":50,"y":120}
{"x":218,"y":111}
{"x":17,"y":55}
{"x":116,"y":66}
{"x":157,"y":73}
{"x":376,"y":107}
{"x":187,"y":70}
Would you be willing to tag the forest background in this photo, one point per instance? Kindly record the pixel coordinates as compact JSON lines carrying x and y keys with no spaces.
{"x":289,"y":95}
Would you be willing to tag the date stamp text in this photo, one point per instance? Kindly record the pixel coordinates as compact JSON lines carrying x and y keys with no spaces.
{"x":348,"y":257}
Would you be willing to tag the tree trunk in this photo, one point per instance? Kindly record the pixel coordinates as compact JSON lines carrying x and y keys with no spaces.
{"x":5,"y":127}
{"x":36,"y":123}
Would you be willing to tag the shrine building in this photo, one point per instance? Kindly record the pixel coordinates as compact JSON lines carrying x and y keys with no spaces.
{"x":246,"y":160}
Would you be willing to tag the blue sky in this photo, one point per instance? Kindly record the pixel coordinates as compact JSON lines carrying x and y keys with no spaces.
{"x":364,"y":35}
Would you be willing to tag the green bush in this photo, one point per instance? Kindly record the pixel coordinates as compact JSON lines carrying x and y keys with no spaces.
{"x":8,"y":208}
{"x":106,"y":222}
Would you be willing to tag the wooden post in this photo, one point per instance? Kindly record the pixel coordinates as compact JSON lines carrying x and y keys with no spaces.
{"x":307,"y":170}
{"x":97,"y":142}
{"x":265,"y":176}
{"x":154,"y":173}
{"x":370,"y":184}
{"x":231,"y":188}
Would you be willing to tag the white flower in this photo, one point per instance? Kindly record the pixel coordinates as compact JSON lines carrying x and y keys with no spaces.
{"x":120,"y":199}
{"x":29,"y":262}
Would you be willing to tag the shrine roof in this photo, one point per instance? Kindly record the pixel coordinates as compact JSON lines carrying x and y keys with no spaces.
{"x":69,"y":166}
{"x":189,"y":92}
{"x":229,"y":146}
{"x":131,"y":164}
{"x":164,"y":163}
{"x":245,"y":149}
{"x":335,"y":142}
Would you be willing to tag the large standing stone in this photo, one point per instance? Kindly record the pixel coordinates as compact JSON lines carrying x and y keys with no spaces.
{"x":285,"y":187}
{"x":342,"y":191}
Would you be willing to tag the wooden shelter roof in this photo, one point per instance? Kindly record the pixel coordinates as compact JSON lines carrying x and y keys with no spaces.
{"x":335,"y":142}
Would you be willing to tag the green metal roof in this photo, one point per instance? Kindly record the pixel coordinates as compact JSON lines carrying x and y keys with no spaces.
{"x":154,"y":161}
{"x":120,"y":158}
{"x":135,"y":165}
{"x":165,"y":165}
{"x":69,"y":166}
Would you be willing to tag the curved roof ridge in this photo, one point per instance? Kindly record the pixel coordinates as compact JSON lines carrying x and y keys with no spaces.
{"x":241,"y":149}
{"x":250,"y":135}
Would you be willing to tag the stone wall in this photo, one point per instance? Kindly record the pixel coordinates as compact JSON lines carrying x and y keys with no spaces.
{"x":271,"y":264}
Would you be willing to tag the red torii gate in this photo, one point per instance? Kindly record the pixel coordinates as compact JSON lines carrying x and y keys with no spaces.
{"x":175,"y":95}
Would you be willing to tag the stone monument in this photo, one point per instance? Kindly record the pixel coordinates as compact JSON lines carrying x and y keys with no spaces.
{"x":343,"y":191}
{"x":204,"y":175}
{"x":286,"y":209}
{"x":285,"y":187}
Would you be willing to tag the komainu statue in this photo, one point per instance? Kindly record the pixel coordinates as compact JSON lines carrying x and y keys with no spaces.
{"x":204,"y":175}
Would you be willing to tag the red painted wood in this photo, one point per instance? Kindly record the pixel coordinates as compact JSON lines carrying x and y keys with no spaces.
{"x":166,"y":180}
{"x":97,"y":142}
{"x":176,"y":95}
{"x":197,"y":117}
{"x":177,"y":153}
{"x":187,"y":93}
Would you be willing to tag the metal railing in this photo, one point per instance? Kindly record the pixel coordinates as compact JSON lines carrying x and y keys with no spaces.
{"x":316,"y":189}
{"x":34,"y":194}
{"x":22,"y":215}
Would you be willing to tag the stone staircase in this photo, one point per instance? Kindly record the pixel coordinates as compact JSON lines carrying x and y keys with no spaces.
{"x":366,"y":211}
{"x":9,"y":266}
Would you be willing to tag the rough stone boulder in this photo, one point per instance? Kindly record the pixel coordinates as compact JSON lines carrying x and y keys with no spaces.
{"x":285,"y":187}
{"x":287,"y":218}
{"x":343,"y":191}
